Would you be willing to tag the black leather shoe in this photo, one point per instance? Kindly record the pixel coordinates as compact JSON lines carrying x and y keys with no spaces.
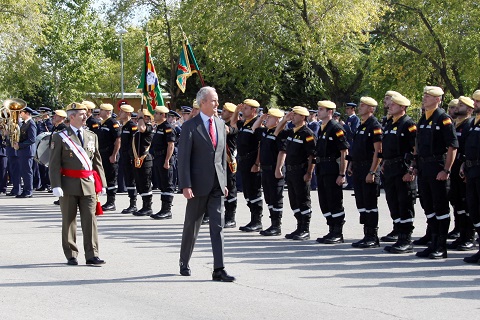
{"x":454,"y":234}
{"x":272,"y":231}
{"x":72,"y":262}
{"x":130,"y":209}
{"x":333,"y":239}
{"x":42,"y":189}
{"x":245,"y":226}
{"x":185,"y":270}
{"x":473,"y":259}
{"x":143,"y":212}
{"x":95,"y":260}
{"x":11,"y":194}
{"x":23,"y":196}
{"x":391,"y":237}
{"x":221,"y":275}
{"x":205,"y":220}
{"x":56,"y":202}
{"x":162,"y":215}
{"x":253,"y":227}
{"x":466,"y":246}
{"x":109,"y":207}
{"x":230,"y":224}
{"x":423,"y":241}
{"x":303,"y":235}
{"x":293,"y":234}
{"x":425,"y":253}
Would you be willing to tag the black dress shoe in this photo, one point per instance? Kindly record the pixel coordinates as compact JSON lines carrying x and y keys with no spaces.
{"x":185,"y":270}
{"x":252,"y":227}
{"x":109,"y":207}
{"x":230,"y":224}
{"x":95,"y":260}
{"x":162,"y":215}
{"x":10,"y":194}
{"x":23,"y":196}
{"x":56,"y":202}
{"x":72,"y":262}
{"x":42,"y":189}
{"x":221,"y":275}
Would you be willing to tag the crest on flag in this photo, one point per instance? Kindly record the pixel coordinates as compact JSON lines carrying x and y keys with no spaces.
{"x":149,"y":85}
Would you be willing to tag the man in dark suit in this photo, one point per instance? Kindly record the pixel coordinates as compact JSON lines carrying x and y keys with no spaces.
{"x":202,"y":176}
{"x":26,"y":150}
{"x":77,"y":177}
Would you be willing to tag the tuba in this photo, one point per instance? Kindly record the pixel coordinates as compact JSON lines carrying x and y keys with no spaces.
{"x":13,"y":108}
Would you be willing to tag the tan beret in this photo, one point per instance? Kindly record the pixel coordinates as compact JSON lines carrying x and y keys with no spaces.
{"x":126,"y":108}
{"x":229,"y":107}
{"x":147,"y":113}
{"x":401,"y":100}
{"x":391,"y":93}
{"x":61,"y":113}
{"x":106,"y":106}
{"x":301,"y":111}
{"x":370,"y":101}
{"x":195,"y":104}
{"x":276,"y":113}
{"x":161,"y":109}
{"x":433,"y":91}
{"x":89,"y":104}
{"x":476,"y":95}
{"x":453,"y":103}
{"x":466,"y":101}
{"x":251,"y":103}
{"x":76,"y":106}
{"x":327,"y":104}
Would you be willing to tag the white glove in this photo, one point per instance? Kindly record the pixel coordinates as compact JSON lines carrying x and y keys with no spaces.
{"x":104,"y":192}
{"x":57,"y":192}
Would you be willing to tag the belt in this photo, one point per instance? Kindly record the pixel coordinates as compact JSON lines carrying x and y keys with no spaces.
{"x":389,"y":162}
{"x":326,"y":159}
{"x":295,"y":167}
{"x":266,"y":167}
{"x":472,"y":163}
{"x":159,"y":153}
{"x":432,"y":158}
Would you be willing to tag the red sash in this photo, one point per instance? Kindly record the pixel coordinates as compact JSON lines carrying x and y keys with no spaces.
{"x":86,"y":174}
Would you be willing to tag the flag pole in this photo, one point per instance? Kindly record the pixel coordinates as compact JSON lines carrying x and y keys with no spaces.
{"x":198,"y":70}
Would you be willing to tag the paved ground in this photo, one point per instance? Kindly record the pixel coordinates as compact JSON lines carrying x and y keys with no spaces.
{"x":276,"y":278}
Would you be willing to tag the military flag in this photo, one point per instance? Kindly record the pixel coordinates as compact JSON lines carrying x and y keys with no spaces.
{"x":187,"y":65}
{"x":149,"y":85}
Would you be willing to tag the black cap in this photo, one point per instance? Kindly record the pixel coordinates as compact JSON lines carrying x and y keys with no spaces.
{"x":173,"y":113}
{"x":351,"y":104}
{"x":337,"y":114}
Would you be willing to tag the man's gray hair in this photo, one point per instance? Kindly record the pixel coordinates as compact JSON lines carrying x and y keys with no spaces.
{"x":72,"y":113}
{"x":202,"y":93}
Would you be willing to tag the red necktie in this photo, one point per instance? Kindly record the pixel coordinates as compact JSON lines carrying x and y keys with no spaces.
{"x":212,"y":133}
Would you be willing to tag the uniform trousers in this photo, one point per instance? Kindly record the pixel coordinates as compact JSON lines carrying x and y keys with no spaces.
{"x":299,"y":192}
{"x":111,"y":173}
{"x":14,"y":174}
{"x":434,"y":200}
{"x":365,"y":195}
{"x":3,"y":173}
{"x":231,"y":199}
{"x":25,"y":169}
{"x":69,"y":205}
{"x":128,"y":175}
{"x":400,"y":202}
{"x":330,"y":197}
{"x":143,"y":177}
{"x":473,"y":200}
{"x":251,"y":183}
{"x":164,"y":177}
{"x":273,"y":190}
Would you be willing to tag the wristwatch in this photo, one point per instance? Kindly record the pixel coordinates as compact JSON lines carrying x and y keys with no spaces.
{"x":373,"y":173}
{"x":446,"y":171}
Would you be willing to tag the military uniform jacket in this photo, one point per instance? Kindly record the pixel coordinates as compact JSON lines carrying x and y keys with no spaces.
{"x":232,"y":139}
{"x":247,"y":144}
{"x":398,"y":144}
{"x":26,"y":144}
{"x":93,"y":124}
{"x":128,"y":130}
{"x":44,"y":126}
{"x":472,"y":151}
{"x":299,"y":146}
{"x":434,"y":136}
{"x":351,"y":126}
{"x":109,"y":131}
{"x":143,"y":141}
{"x":331,"y":140}
{"x":61,"y":156}
{"x":270,"y":145}
{"x":58,"y":128}
{"x":366,"y":135}
{"x":164,"y":134}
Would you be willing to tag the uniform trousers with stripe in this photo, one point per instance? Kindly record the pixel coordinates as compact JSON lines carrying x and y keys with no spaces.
{"x":330,"y":197}
{"x":111,"y":173}
{"x":400,"y":202}
{"x":299,"y":192}
{"x":164,"y":178}
{"x":143,"y":177}
{"x":365,"y":196}
{"x":273,"y":191}
{"x":128,"y":175}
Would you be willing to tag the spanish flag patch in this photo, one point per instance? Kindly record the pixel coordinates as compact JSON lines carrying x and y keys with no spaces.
{"x":95,"y":125}
{"x":412,"y":128}
{"x":309,"y":138}
{"x":134,"y":128}
{"x":339,"y":133}
{"x":447,"y":121}
{"x":115,"y":125}
{"x":377,"y":131}
{"x":168,"y":130}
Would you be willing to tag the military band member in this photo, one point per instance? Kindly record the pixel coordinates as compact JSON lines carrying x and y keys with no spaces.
{"x":248,"y":162}
{"x":470,"y":170}
{"x":3,"y":162}
{"x":332,"y":149}
{"x":129,"y":128}
{"x":232,"y":133}
{"x":25,"y":148}
{"x":457,"y":192}
{"x":163,"y":145}
{"x":109,"y":142}
{"x":350,"y":126}
{"x":93,"y":123}
{"x":299,"y":161}
{"x":76,"y":174}
{"x":143,"y":161}
{"x":436,"y":148}
{"x":271,"y":164}
{"x":364,"y":164}
{"x":398,"y":146}
{"x":44,"y":125}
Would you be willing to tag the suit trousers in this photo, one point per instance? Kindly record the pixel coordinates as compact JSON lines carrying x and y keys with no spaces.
{"x":86,"y":205}
{"x":196,"y":207}
{"x":14,"y":174}
{"x":3,"y":173}
{"x":26,"y":172}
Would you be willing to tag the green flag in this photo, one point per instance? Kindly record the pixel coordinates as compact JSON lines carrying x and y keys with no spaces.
{"x":187,"y":65}
{"x":149,"y":85}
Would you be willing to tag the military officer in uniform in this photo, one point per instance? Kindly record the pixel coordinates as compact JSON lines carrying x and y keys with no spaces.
{"x":231,"y":198}
{"x":77,"y":176}
{"x":470,"y":170}
{"x":109,"y":141}
{"x":163,"y":144}
{"x":129,"y":128}
{"x":44,"y":125}
{"x":457,"y":191}
{"x":332,"y":150}
{"x":3,"y":163}
{"x":398,"y":146}
{"x":350,"y":126}
{"x":248,"y":162}
{"x":143,"y":161}
{"x":300,"y":163}
{"x":365,"y":160}
{"x":25,"y":148}
{"x":272,"y":166}
{"x":437,"y":145}
{"x":92,"y":123}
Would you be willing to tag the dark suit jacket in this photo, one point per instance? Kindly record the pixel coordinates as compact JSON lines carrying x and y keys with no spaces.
{"x":198,"y":161}
{"x":26,"y":145}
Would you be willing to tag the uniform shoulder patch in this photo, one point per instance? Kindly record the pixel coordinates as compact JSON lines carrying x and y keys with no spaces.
{"x":412,"y":128}
{"x":377,"y":131}
{"x":95,"y":125}
{"x":339,"y":133}
{"x":116,"y":125}
{"x":134,"y":128}
{"x":309,"y":138}
{"x":168,"y":130}
{"x":447,"y":121}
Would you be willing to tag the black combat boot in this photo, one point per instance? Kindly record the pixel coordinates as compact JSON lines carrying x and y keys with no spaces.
{"x":371,"y":239}
{"x":431,"y":247}
{"x":165,"y":212}
{"x":440,"y":249}
{"x":304,"y":229}
{"x":110,"y":204}
{"x":357,"y":243}
{"x":329,"y":234}
{"x":146,"y":208}
{"x":403,"y":244}
{"x":230,"y":211}
{"x":298,"y":216}
{"x":336,"y":235}
{"x":423,"y":241}
{"x":255,"y":225}
{"x":133,"y":206}
{"x":476,"y":257}
{"x":392,"y":236}
{"x":275,"y":228}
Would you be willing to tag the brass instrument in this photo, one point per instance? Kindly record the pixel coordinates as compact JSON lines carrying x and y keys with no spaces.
{"x":13,"y":108}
